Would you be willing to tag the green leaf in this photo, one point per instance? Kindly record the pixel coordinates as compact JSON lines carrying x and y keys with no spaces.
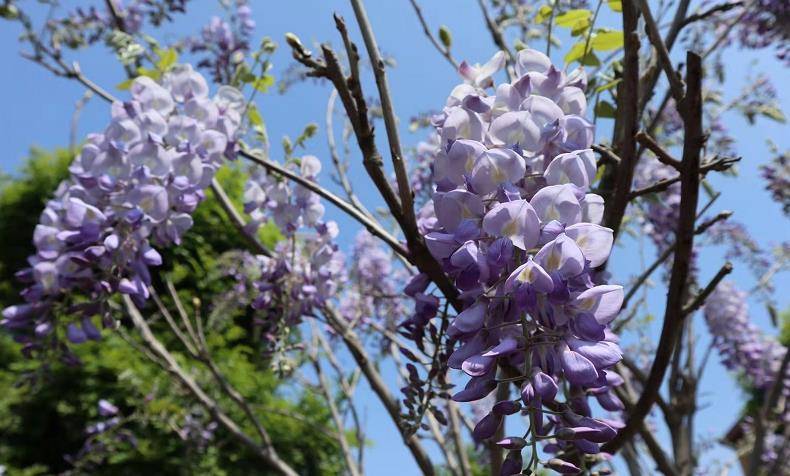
{"x":150,"y":73}
{"x":607,"y":40}
{"x":580,"y":27}
{"x":575,"y":53}
{"x":608,"y":85}
{"x":167,"y":59}
{"x":125,"y":85}
{"x":263,"y":83}
{"x":571,"y":17}
{"x":254,"y":115}
{"x":578,"y":53}
{"x":270,"y":234}
{"x":774,"y":113}
{"x":605,"y":109}
{"x":616,"y":5}
{"x":544,"y":12}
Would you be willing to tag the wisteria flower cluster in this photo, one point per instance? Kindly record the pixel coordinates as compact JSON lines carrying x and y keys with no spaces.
{"x":226,"y":42}
{"x":766,"y":23}
{"x":103,"y":437}
{"x":776,"y":174}
{"x":742,"y":346}
{"x":131,"y":188}
{"x":513,"y":224}
{"x":755,"y":356}
{"x":303,"y":273}
{"x":373,"y":289}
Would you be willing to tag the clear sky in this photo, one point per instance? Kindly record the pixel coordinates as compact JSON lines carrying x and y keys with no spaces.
{"x":37,"y":109}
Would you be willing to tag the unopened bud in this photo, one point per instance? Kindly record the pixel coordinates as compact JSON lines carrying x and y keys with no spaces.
{"x":445,"y":36}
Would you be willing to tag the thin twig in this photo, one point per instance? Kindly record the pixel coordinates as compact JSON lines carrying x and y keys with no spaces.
{"x":662,"y":155}
{"x":700,"y":298}
{"x":376,"y":382}
{"x":443,"y":50}
{"x":266,"y":452}
{"x":498,"y":37}
{"x":236,"y":218}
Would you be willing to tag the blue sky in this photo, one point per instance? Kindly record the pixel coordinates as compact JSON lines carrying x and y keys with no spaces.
{"x":37,"y":110}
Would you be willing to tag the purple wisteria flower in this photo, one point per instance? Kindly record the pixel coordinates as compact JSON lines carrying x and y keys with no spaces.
{"x":303,"y":274}
{"x":372,"y":290}
{"x":513,"y":224}
{"x":225,"y":41}
{"x":754,"y":355}
{"x":132,"y":187}
{"x":776,"y":174}
{"x":742,"y":346}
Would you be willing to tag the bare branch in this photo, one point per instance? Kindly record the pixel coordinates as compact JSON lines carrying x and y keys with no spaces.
{"x":333,"y":410}
{"x":700,"y":298}
{"x":388,"y":111}
{"x":443,"y":50}
{"x":628,"y":124}
{"x":718,"y":164}
{"x":376,"y":382}
{"x":673,"y":316}
{"x":339,"y":167}
{"x":264,"y":451}
{"x":236,"y":218}
{"x":675,"y":83}
{"x":663,"y":156}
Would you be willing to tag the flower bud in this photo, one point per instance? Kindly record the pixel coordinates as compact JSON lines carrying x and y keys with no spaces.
{"x":445,"y":36}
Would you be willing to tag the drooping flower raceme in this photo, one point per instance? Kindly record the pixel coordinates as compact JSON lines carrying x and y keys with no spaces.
{"x":755,"y":356}
{"x":372,"y":290}
{"x":776,"y":174}
{"x":742,"y":346}
{"x":226,"y":42}
{"x":305,"y":271}
{"x":131,"y":188}
{"x":512,"y":223}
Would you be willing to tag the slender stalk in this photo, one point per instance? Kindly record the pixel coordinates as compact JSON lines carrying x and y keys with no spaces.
{"x":374,"y":228}
{"x":443,"y":50}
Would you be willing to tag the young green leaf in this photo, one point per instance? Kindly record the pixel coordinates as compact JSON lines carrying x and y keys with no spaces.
{"x":571,"y":17}
{"x":263,"y":83}
{"x":605,"y":109}
{"x":607,"y":40}
{"x":544,"y":13}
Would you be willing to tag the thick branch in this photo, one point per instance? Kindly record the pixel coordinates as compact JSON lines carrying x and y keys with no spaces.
{"x":628,"y":123}
{"x":390,"y":121}
{"x":689,"y":190}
